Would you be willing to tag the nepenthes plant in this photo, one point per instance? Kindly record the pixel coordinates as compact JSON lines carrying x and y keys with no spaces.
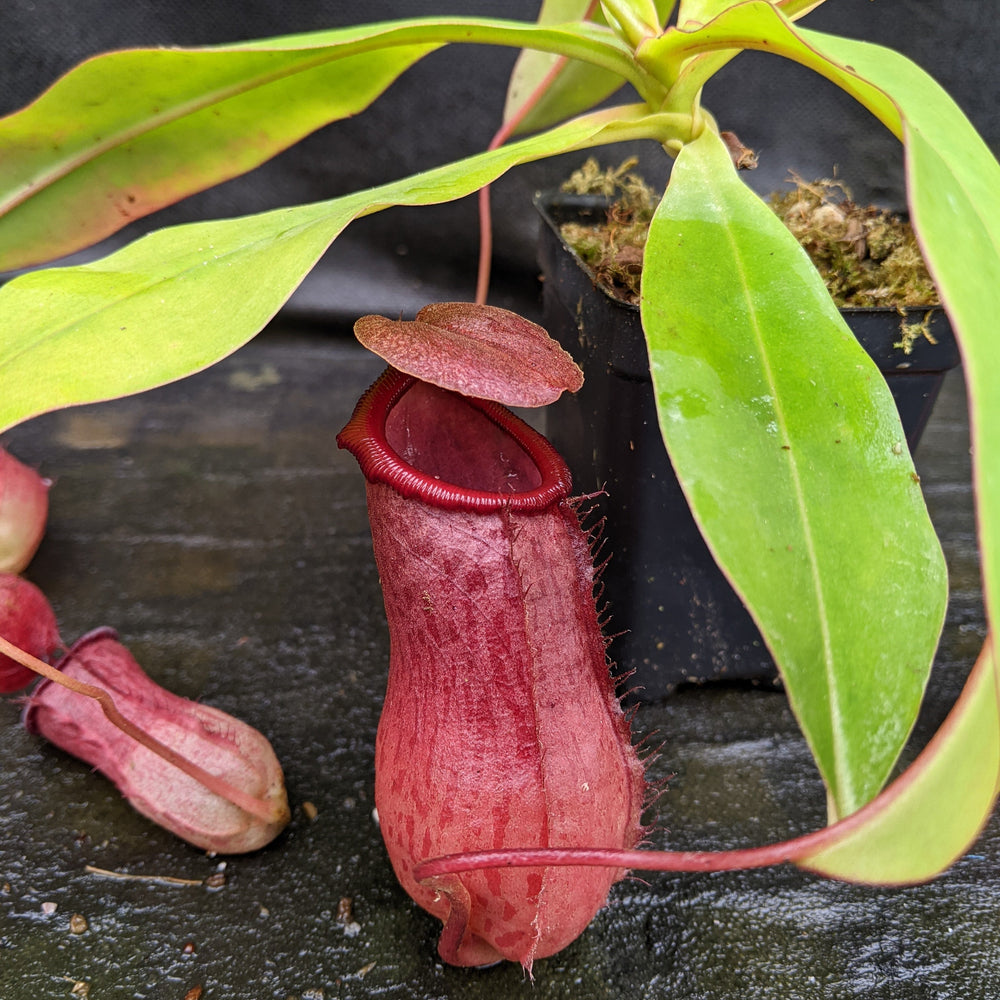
{"x":771,"y":413}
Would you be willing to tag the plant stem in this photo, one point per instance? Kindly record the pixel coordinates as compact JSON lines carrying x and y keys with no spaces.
{"x":794,"y":850}
{"x":674,"y":861}
{"x":633,"y":20}
{"x":218,"y":786}
{"x":505,"y":131}
{"x":485,"y":213}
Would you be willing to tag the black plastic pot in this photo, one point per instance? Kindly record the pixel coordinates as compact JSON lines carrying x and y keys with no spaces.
{"x":680,"y":620}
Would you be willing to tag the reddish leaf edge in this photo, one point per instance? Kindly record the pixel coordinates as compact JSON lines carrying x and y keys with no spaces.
{"x":804,"y":851}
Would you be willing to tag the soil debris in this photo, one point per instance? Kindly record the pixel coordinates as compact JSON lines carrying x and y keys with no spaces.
{"x":345,"y":917}
{"x":743,"y":157}
{"x":213,"y":881}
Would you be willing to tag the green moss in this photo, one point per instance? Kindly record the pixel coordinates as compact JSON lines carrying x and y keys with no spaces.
{"x":613,"y":249}
{"x":866,"y":255}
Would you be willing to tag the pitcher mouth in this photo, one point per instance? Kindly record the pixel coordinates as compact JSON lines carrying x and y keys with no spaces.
{"x":451,"y":451}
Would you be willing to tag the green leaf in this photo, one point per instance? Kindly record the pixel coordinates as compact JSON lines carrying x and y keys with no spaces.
{"x":126,"y":133}
{"x":789,"y":449}
{"x":160,"y":125}
{"x":926,"y":819}
{"x":694,"y":13}
{"x":570,"y":86}
{"x":953,"y":183}
{"x":555,"y":88}
{"x":954,"y":193}
{"x":691,"y":57}
{"x":180,"y":299}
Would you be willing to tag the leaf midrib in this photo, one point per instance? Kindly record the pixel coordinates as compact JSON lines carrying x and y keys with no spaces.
{"x":840,"y":779}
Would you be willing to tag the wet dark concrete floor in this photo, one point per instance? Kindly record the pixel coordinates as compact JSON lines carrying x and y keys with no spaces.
{"x":217,"y":527}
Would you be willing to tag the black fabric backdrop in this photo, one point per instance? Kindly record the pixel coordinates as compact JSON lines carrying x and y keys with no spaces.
{"x":449,"y":105}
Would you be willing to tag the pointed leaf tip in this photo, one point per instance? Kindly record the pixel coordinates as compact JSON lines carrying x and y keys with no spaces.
{"x":476,"y":350}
